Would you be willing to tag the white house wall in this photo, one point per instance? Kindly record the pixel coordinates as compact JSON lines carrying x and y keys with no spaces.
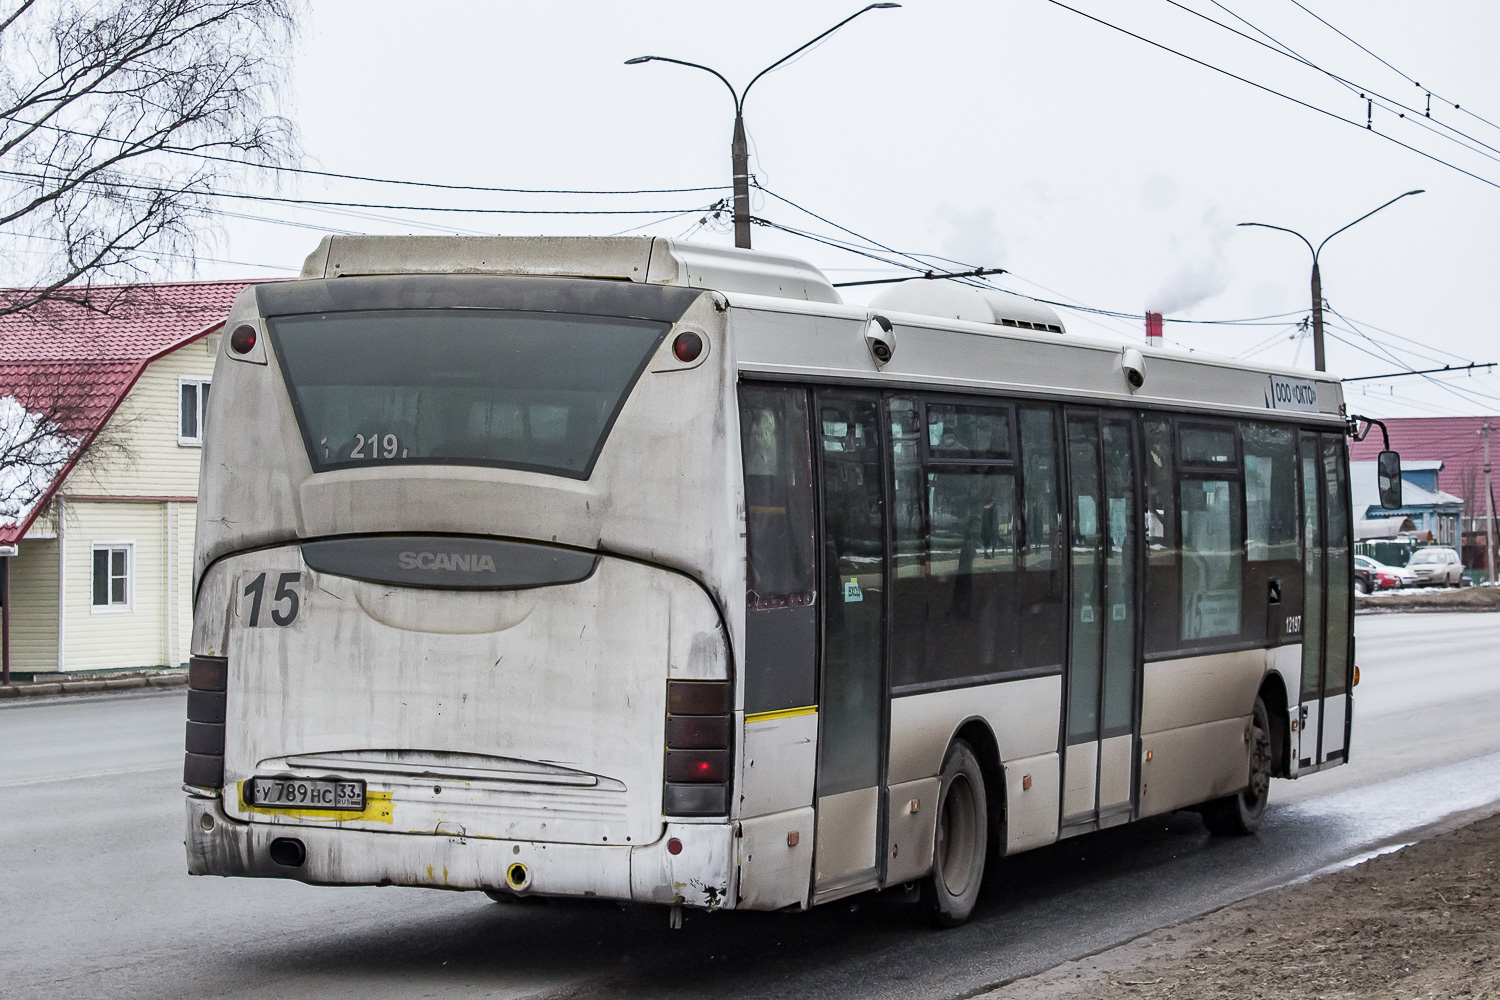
{"x":104,"y":639}
{"x":147,"y":424}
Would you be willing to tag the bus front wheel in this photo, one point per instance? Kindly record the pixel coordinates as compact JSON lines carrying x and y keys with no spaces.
{"x":1239,"y":815}
{"x":961,"y":838}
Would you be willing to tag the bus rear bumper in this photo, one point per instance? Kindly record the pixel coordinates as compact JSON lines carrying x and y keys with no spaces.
{"x":700,"y":874}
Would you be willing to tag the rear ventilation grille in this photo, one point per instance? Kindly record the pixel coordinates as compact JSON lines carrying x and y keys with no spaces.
{"x":1022,"y":324}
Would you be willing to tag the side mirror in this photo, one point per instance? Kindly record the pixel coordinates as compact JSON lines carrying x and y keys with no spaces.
{"x":1388,"y":479}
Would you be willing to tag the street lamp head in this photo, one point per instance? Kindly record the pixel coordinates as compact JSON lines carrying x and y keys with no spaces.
{"x":1417,"y":191}
{"x":882,"y":6}
{"x":638,"y":60}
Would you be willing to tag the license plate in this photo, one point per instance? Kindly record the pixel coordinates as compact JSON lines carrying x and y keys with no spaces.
{"x":307,"y":793}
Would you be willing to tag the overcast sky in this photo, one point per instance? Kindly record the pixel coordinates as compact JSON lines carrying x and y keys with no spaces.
{"x":1095,"y":167}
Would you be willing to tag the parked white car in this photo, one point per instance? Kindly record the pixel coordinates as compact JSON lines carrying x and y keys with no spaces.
{"x":1436,"y":567}
{"x":1370,"y":576}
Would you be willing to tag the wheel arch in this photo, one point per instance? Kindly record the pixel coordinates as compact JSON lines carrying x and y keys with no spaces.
{"x":976,"y":732}
{"x":1273,"y":692}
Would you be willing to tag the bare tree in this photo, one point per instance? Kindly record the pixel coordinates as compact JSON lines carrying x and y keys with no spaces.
{"x":118,"y":120}
{"x":48,"y":423}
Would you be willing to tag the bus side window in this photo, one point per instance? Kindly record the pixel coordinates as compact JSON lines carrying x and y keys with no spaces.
{"x":1161,"y":536}
{"x":909,"y":526}
{"x":1043,"y":617}
{"x":1273,"y":573}
{"x":1340,"y":625}
{"x":955,"y":534}
{"x":1210,"y":497}
{"x":781,"y":623}
{"x":1270,"y":492}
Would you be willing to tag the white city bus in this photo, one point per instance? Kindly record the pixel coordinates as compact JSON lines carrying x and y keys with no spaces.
{"x":643,"y":570}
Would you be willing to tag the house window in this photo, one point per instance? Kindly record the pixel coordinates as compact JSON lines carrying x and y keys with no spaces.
{"x":113,"y":565}
{"x":192,"y":404}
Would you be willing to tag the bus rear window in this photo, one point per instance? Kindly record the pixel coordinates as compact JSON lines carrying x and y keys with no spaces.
{"x":522,"y":390}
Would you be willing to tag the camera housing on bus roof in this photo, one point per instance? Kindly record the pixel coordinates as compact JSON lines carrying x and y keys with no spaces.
{"x":880,"y":338}
{"x":1133,"y":364}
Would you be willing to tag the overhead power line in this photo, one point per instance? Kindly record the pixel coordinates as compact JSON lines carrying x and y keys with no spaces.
{"x":1418,"y":117}
{"x":1469,"y":396}
{"x":1393,"y":69}
{"x":335,"y":175}
{"x":1277,"y":93}
{"x":282,"y":200}
{"x":1446,"y":369}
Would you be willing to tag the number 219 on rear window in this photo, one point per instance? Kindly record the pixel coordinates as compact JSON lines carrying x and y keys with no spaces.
{"x":270,"y":600}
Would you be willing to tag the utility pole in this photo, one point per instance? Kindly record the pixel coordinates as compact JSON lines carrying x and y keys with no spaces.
{"x":1489,"y":505}
{"x":1317,"y":277}
{"x":739,"y":150}
{"x":1317,"y":314}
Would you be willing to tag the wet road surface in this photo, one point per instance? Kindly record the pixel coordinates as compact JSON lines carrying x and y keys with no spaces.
{"x":96,"y":900}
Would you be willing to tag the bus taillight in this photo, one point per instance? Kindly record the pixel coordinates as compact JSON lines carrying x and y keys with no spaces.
{"x":697,"y":759}
{"x":697,"y":766}
{"x":208,"y":684}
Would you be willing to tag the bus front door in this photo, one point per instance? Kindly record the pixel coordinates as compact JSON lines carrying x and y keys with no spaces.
{"x":1327,"y":623}
{"x":1100,"y":738}
{"x":852,"y":687}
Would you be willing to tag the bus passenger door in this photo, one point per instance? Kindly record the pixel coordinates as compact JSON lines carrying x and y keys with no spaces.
{"x":852,"y":703}
{"x":1099,"y":745}
{"x":1327,"y":625}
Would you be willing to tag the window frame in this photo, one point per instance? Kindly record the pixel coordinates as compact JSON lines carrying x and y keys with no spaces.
{"x":927,"y":463}
{"x":1232,"y":466}
{"x":925,"y":450}
{"x":321,"y":465}
{"x":1231,"y":471}
{"x":198,"y":381}
{"x":1176,"y":473}
{"x":1245,"y":491}
{"x":111,"y":608}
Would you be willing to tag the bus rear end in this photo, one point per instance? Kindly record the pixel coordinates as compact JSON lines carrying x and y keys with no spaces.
{"x":462,"y":550}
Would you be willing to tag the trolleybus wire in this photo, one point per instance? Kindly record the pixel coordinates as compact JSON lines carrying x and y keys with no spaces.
{"x":1367,"y":93}
{"x":1271,"y":90}
{"x":1393,"y":69}
{"x":1446,"y":369}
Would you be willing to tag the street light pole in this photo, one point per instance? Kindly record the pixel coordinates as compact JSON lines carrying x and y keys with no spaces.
{"x":1317,"y":277}
{"x":739,"y":149}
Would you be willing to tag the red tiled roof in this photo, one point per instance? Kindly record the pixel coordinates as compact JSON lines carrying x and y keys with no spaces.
{"x":116,"y":322}
{"x":79,"y":357}
{"x":1454,"y":441}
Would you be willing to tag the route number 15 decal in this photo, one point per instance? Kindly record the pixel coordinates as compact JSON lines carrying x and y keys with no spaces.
{"x":279,"y":608}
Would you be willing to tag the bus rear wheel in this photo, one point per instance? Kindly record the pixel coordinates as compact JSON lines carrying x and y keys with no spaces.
{"x":1239,"y":815}
{"x":960,"y":841}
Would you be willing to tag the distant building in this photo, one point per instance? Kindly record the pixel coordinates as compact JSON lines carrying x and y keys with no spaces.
{"x":1444,"y":454}
{"x":100,"y":571}
{"x":1425,"y":516}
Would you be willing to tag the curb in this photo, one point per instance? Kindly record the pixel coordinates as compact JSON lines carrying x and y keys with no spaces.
{"x":27,"y":689}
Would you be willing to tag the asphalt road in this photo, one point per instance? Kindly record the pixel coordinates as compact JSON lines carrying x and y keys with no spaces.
{"x":95,"y":900}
